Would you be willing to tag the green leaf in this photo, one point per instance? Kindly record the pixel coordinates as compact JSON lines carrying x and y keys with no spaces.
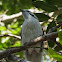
{"x":45,"y":6}
{"x":21,"y":54}
{"x":51,"y":43}
{"x":55,"y":55}
{"x":60,"y":37}
{"x":54,"y":2}
{"x":42,"y":17}
{"x":14,"y":5}
{"x":16,"y":31}
{"x":57,"y":48}
{"x":15,"y":25}
{"x":18,"y":43}
{"x":2,"y":28}
{"x":50,"y":25}
{"x":3,"y":46}
{"x":59,"y":18}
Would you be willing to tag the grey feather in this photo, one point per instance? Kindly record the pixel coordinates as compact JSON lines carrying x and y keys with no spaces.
{"x":32,"y":29}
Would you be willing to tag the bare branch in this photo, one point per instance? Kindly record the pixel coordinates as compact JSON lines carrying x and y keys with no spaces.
{"x":21,"y":48}
{"x":55,"y":27}
{"x":7,"y":18}
{"x":11,"y":35}
{"x":5,"y":11}
{"x":57,"y":12}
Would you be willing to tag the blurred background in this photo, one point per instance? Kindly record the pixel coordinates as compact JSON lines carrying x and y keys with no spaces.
{"x":49,"y":13}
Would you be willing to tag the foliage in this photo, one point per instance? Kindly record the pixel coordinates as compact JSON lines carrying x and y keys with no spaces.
{"x":60,"y":37}
{"x":55,"y":55}
{"x":14,"y":26}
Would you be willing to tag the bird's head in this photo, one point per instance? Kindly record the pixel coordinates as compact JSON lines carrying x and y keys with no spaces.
{"x":27,"y":14}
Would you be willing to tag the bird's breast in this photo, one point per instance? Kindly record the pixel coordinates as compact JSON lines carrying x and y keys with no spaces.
{"x":30,"y":31}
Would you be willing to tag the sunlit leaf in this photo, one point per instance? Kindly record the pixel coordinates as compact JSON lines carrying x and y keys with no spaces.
{"x":55,"y":55}
{"x":18,"y":43}
{"x":15,"y":25}
{"x":2,"y":28}
{"x":16,"y":31}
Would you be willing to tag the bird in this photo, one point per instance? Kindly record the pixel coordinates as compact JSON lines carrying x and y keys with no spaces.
{"x":31,"y":29}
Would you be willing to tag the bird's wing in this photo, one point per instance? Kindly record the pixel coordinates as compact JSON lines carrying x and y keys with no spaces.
{"x":21,"y":34}
{"x":42,"y":43}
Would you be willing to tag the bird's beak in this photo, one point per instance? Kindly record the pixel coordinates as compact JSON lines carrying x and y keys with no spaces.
{"x":22,"y":10}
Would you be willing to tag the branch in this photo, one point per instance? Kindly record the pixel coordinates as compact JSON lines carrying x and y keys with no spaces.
{"x":5,"y":11}
{"x":11,"y":35}
{"x":57,"y":12}
{"x":18,"y":37}
{"x":5,"y":18}
{"x":55,"y":27}
{"x":52,"y":29}
{"x":21,"y":48}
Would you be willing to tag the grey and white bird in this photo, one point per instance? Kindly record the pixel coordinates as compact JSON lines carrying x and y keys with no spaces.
{"x":31,"y":29}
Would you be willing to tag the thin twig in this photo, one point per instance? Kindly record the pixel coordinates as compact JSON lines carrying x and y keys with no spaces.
{"x":11,"y":35}
{"x":55,"y":27}
{"x":5,"y":18}
{"x":5,"y":11}
{"x":52,"y":29}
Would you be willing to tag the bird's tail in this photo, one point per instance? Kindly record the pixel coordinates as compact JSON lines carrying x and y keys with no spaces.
{"x":34,"y":54}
